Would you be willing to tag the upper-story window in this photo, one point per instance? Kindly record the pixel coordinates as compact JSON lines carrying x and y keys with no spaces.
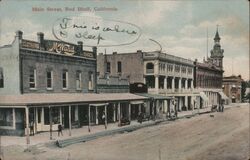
{"x":78,"y":80}
{"x":65,"y":79}
{"x":119,"y":66}
{"x":1,"y":78}
{"x":49,"y":79}
{"x":177,"y":68}
{"x":150,"y":68}
{"x":91,"y":81}
{"x":32,"y":78}
{"x":108,"y":67}
{"x":183,"y":69}
{"x":189,"y":70}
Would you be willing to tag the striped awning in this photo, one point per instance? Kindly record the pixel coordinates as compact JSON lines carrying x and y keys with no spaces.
{"x":204,"y":96}
{"x":223,"y":96}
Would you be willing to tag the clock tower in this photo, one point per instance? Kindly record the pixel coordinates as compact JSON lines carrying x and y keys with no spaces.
{"x":217,"y":53}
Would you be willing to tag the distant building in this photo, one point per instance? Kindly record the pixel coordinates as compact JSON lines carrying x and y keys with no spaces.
{"x":232,"y":88}
{"x":209,"y":74}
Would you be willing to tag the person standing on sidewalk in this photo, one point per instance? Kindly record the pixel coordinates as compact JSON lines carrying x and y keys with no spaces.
{"x":60,"y":130}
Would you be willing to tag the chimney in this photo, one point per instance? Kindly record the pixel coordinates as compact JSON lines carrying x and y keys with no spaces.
{"x":79,"y":47}
{"x":94,"y":49}
{"x":19,"y":34}
{"x":40,"y":39}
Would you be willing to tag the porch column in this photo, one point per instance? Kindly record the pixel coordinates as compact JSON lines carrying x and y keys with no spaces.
{"x":114,"y":112}
{"x":186,"y":84}
{"x":60,"y":109}
{"x":129,"y":112}
{"x":96,"y":115}
{"x":89,"y":117}
{"x":69,"y":120}
{"x":179,"y":83}
{"x":119,"y":114}
{"x":139,"y":105}
{"x":14,"y":118}
{"x":165,"y":82}
{"x":156,"y":82}
{"x":106,"y":122}
{"x":192,"y":84}
{"x":186,"y":102}
{"x":50,"y":123}
{"x":36,"y":119}
{"x":173,"y":85}
{"x":27,"y":126}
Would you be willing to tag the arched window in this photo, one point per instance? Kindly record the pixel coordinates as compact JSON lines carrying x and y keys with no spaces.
{"x":150,"y":66}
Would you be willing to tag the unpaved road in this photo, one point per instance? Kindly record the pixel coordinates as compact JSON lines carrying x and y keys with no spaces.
{"x":222,"y":137}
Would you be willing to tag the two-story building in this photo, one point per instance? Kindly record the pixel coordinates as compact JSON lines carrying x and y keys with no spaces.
{"x":45,"y":83}
{"x":164,"y":74}
{"x":232,"y":88}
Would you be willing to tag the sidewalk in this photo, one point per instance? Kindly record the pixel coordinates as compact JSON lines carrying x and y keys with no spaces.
{"x":44,"y":138}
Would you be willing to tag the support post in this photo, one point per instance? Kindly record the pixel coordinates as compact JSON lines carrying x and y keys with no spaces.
{"x":156,"y":82}
{"x":173,"y":85}
{"x":69,"y":120}
{"x":114,"y":113}
{"x":89,"y":118}
{"x":50,"y":123}
{"x":165,"y":82}
{"x":96,"y":115}
{"x":129,"y":112}
{"x":27,"y":126}
{"x":106,"y":122}
{"x":14,"y":118}
{"x":119,"y":113}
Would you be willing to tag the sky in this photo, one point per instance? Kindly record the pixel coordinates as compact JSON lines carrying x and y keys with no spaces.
{"x":181,"y":27}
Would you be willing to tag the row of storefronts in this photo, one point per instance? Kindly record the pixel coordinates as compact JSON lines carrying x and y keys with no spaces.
{"x":58,"y":83}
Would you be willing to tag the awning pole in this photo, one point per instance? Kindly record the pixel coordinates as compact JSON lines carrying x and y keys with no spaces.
{"x":106,"y":123}
{"x":119,"y":113}
{"x":69,"y":120}
{"x":27,"y":126}
{"x":89,"y":119}
{"x":50,"y":123}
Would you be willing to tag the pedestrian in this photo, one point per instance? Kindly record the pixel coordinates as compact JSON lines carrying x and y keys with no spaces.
{"x":60,"y":130}
{"x":32,"y":128}
{"x":104,"y":119}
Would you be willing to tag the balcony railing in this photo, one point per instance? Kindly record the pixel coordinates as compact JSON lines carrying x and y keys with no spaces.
{"x":149,"y":70}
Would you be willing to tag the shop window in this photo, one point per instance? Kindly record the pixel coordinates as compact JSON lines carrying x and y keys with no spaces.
{"x":6,"y":117}
{"x":119,"y":66}
{"x":32,"y":78}
{"x":1,"y":78}
{"x":78,"y":80}
{"x":49,"y":79}
{"x":55,"y":115}
{"x":65,"y":79}
{"x":91,"y":81}
{"x":108,"y":67}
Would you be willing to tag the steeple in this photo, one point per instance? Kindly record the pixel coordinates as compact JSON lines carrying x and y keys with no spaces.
{"x":217,"y":36}
{"x":217,"y":52}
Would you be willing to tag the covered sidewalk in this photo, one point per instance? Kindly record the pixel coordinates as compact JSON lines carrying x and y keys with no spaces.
{"x":44,"y":112}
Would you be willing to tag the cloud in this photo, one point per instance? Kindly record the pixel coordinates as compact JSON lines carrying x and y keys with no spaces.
{"x":151,"y":14}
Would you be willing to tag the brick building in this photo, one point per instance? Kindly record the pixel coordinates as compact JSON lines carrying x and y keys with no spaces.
{"x":232,"y":88}
{"x":45,"y":83}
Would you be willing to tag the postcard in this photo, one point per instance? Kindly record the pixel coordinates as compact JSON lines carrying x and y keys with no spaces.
{"x":119,"y":80}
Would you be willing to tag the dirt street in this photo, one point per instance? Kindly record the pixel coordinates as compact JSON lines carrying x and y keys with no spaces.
{"x":222,"y":137}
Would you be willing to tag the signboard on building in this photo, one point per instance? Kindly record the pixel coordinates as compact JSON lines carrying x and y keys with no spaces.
{"x":60,"y":47}
{"x":29,"y":44}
